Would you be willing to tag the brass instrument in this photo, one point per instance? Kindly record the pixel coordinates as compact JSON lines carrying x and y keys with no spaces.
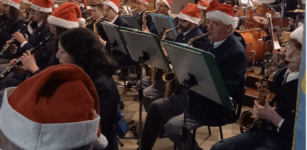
{"x":124,"y":7}
{"x":144,"y":18}
{"x":89,"y":19}
{"x":196,"y":38}
{"x":245,"y":121}
{"x":95,"y":27}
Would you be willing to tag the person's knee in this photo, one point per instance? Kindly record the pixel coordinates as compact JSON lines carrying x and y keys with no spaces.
{"x":172,"y":129}
{"x":220,"y":145}
{"x":138,"y":84}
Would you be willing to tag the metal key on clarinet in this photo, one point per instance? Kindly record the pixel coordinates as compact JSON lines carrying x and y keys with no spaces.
{"x":18,"y":62}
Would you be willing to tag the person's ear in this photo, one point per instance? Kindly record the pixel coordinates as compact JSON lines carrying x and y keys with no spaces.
{"x":229,"y":28}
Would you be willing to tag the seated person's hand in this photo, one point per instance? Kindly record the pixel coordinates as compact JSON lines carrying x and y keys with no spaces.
{"x":28,"y":62}
{"x":263,"y":112}
{"x":19,"y":37}
{"x":12,"y":47}
{"x":18,"y":68}
{"x":103,"y":42}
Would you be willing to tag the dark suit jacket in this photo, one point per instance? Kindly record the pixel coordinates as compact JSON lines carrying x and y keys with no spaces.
{"x":286,"y":96}
{"x":42,"y":55}
{"x":232,"y":63}
{"x":9,"y":27}
{"x":85,"y":13}
{"x":30,"y":29}
{"x":200,"y":43}
{"x":108,"y":101}
{"x":203,"y":29}
{"x":151,"y":25}
{"x":139,"y":17}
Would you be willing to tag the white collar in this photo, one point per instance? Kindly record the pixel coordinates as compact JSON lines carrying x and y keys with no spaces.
{"x":292,"y":76}
{"x":185,"y":33}
{"x":40,"y":23}
{"x":217,"y":44}
{"x":112,"y":21}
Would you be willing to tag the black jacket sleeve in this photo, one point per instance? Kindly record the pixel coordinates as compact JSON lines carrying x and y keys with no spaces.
{"x":17,"y":25}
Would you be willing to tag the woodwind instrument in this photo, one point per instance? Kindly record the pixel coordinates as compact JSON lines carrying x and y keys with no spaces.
{"x":5,"y":72}
{"x":245,"y":121}
{"x":89,"y":19}
{"x":95,"y":26}
{"x":196,"y":38}
{"x":144,"y":18}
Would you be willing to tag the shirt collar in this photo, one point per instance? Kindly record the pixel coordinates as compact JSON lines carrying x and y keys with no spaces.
{"x":185,"y":33}
{"x":217,"y":44}
{"x":40,"y":23}
{"x":112,"y":21}
{"x":292,"y":76}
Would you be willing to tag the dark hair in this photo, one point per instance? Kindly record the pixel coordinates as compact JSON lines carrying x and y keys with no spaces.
{"x":14,"y":13}
{"x":87,"y":51}
{"x":59,"y":31}
{"x":45,"y":21}
{"x":99,"y":5}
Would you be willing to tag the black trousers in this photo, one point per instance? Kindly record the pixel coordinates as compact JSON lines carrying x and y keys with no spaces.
{"x":256,"y":139}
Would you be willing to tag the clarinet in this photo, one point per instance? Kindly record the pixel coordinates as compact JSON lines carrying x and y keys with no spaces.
{"x":5,"y":72}
{"x":12,"y":40}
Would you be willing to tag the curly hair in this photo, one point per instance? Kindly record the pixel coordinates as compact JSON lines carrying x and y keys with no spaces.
{"x":87,"y":51}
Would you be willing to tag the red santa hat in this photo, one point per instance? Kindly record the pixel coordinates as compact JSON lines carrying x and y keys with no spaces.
{"x":298,"y":34}
{"x":42,"y":5}
{"x":27,"y":1}
{"x":144,"y":2}
{"x":222,"y":12}
{"x":168,"y":3}
{"x":203,"y":4}
{"x":68,"y":16}
{"x":114,"y":4}
{"x":45,"y":111}
{"x":190,"y":13}
{"x":13,"y":3}
{"x":85,"y":5}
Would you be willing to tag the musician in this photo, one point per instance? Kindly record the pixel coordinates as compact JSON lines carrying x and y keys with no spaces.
{"x":110,"y":11}
{"x":289,"y":5}
{"x":163,"y":8}
{"x":278,"y":135}
{"x":188,"y":21}
{"x":203,"y":5}
{"x":11,"y":20}
{"x":98,"y":17}
{"x":59,"y":111}
{"x":232,"y":63}
{"x":85,"y":13}
{"x":41,"y":10}
{"x":141,"y":7}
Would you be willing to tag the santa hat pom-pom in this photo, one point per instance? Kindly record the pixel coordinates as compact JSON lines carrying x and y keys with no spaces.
{"x":100,"y":142}
{"x":55,"y":6}
{"x":81,"y":21}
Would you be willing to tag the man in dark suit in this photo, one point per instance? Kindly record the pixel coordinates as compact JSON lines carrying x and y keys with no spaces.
{"x":277,"y":135}
{"x":142,"y":7}
{"x":110,"y":11}
{"x":84,"y":12}
{"x":232,"y":63}
{"x":189,"y":27}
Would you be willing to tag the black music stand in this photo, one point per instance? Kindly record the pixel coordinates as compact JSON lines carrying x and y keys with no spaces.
{"x":163,"y":23}
{"x":144,"y":48}
{"x":132,"y":21}
{"x":197,"y":71}
{"x":115,"y":37}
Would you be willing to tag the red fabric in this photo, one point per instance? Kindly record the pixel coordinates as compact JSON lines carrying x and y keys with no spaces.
{"x":16,"y":1}
{"x":74,"y":100}
{"x":43,"y":3}
{"x":116,"y":2}
{"x":204,"y":3}
{"x":215,"y":5}
{"x":169,"y":2}
{"x":191,"y":10}
{"x":85,"y":5}
{"x":68,"y":11}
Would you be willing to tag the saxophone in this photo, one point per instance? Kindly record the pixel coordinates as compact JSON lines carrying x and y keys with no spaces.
{"x":245,"y":121}
{"x":88,"y":20}
{"x":144,"y":17}
{"x":95,"y":26}
{"x":190,"y":42}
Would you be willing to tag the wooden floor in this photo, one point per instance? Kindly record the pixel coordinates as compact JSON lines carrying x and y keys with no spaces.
{"x":131,"y":112}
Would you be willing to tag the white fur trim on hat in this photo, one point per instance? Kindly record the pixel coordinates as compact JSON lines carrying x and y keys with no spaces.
{"x":202,"y":7}
{"x":81,"y":21}
{"x":27,"y":134}
{"x":189,"y":18}
{"x":144,"y":2}
{"x":100,"y":142}
{"x":27,"y":2}
{"x":167,"y":4}
{"x":112,"y":5}
{"x":225,"y":18}
{"x":11,"y":3}
{"x":62,"y":22}
{"x":41,"y":9}
{"x":298,"y":34}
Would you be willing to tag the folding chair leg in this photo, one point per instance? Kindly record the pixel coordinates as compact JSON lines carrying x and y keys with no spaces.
{"x":209,"y":130}
{"x":193,"y":143}
{"x":175,"y":147}
{"x":221,"y":132}
{"x":241,"y":130}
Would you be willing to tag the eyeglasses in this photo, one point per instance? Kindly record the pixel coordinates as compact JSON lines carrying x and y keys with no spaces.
{"x":182,"y":21}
